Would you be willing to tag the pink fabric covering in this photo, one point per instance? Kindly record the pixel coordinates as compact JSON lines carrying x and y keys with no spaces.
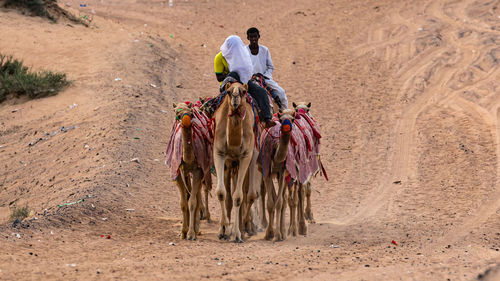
{"x":303,"y":150}
{"x":202,"y":141}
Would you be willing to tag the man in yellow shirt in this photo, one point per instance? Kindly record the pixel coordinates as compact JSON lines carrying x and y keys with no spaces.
{"x":221,"y":67}
{"x":233,"y":64}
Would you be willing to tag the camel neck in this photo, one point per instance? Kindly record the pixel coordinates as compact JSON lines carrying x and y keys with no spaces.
{"x":282,"y":149}
{"x":187,"y":145}
{"x":234,"y":130}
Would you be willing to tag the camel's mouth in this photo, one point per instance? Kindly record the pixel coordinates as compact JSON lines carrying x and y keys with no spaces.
{"x":286,"y":126}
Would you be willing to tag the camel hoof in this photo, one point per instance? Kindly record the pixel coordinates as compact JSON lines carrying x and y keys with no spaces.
{"x":191,"y":235}
{"x":292,"y":231}
{"x":238,"y":240}
{"x":222,"y":233}
{"x":223,"y":237}
{"x":183,"y":235}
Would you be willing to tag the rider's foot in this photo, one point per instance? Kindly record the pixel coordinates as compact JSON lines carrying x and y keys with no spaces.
{"x":269,"y":124}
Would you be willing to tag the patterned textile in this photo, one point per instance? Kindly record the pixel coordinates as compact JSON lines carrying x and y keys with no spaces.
{"x":202,"y":141}
{"x":303,"y":150}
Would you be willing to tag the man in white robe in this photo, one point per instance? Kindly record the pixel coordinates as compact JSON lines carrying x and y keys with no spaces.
{"x":262,"y":63}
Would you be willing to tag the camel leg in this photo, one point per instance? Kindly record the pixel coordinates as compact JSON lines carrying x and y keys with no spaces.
{"x":221,"y":193}
{"x":254,"y":178}
{"x":243,"y":208}
{"x":271,"y":200}
{"x":300,"y":212}
{"x":292,"y":202}
{"x":280,"y":207}
{"x":262,"y":205}
{"x":309,"y":214}
{"x":207,"y":188}
{"x":238,"y":195}
{"x":184,"y":207}
{"x":229,"y":192}
{"x":194,"y":211}
{"x":198,"y":211}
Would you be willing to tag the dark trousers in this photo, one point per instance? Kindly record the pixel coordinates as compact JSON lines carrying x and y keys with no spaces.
{"x":258,"y":93}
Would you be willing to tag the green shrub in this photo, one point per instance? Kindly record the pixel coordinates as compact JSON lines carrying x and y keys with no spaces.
{"x":20,"y":213}
{"x":18,"y":80}
{"x":36,"y":7}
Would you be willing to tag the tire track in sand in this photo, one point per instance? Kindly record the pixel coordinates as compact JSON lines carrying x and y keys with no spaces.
{"x":429,"y":68}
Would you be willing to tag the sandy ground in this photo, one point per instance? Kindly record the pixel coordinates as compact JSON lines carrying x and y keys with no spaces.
{"x":406,"y":93}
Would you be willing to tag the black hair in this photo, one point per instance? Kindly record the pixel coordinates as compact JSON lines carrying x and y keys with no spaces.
{"x":253,"y":30}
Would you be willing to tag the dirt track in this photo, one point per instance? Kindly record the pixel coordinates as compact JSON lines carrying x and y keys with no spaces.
{"x":406,"y":93}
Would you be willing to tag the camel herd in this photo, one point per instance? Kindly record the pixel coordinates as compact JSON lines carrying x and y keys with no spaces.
{"x":246,"y":159}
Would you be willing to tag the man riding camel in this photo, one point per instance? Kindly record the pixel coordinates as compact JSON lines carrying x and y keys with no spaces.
{"x":233,"y":64}
{"x":263,"y":65}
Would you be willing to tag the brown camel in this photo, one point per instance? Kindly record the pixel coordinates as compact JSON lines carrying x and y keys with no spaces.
{"x":300,"y":193}
{"x":274,"y":147}
{"x":234,"y":144}
{"x":187,"y":171}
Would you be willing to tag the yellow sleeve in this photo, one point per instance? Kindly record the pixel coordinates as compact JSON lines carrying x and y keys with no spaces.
{"x":220,"y":64}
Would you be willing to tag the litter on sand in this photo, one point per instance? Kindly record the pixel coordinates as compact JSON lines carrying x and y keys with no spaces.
{"x":394,"y":242}
{"x":70,"y":203}
{"x":171,"y":244}
{"x":118,"y":79}
{"x":153,"y":85}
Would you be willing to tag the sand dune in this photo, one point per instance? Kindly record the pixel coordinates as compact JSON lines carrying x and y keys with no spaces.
{"x":406,"y":93}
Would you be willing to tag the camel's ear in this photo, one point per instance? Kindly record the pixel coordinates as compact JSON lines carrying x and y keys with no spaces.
{"x":293,"y":114}
{"x":228,"y":84}
{"x":281,"y":111}
{"x":245,"y":86}
{"x":190,"y":105}
{"x":175,"y":105}
{"x":294,"y":105}
{"x":309,"y":105}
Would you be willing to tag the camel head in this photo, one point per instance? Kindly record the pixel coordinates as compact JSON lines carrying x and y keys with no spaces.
{"x":286,"y":117}
{"x":302,"y":105}
{"x":236,"y":92}
{"x":205,"y":105}
{"x":184,"y":113}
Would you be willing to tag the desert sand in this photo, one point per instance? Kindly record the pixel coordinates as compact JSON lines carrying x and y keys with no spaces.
{"x":406,"y":94}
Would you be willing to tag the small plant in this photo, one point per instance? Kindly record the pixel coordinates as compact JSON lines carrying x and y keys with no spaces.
{"x":17,"y":79}
{"x":36,"y":7}
{"x":20,"y":213}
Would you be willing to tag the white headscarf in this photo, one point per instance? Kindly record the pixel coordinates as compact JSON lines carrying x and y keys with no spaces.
{"x":237,"y":57}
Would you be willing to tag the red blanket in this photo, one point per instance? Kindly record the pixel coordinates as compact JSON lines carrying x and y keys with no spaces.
{"x":202,"y":141}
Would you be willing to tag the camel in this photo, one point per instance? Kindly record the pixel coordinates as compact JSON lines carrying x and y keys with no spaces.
{"x":274,"y":147}
{"x":189,"y":160}
{"x":234,"y":144}
{"x":300,"y":192}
